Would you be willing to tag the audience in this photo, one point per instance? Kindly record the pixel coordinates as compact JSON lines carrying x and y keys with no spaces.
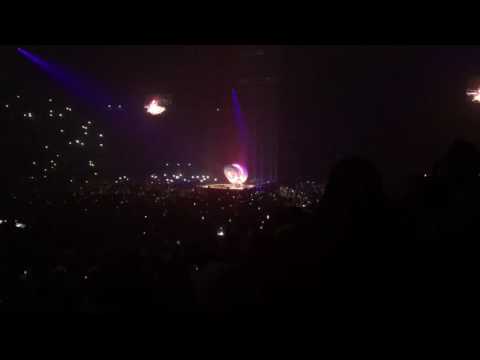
{"x":125,"y":245}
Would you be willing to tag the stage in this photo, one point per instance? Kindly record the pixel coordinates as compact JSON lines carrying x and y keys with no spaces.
{"x":236,"y":187}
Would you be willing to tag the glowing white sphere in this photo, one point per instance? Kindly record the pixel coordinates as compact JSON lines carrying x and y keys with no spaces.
{"x":235,"y":174}
{"x":474,"y":94}
{"x":154,"y":108}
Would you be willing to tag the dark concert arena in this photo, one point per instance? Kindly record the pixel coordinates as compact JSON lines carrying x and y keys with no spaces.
{"x":240,"y":178}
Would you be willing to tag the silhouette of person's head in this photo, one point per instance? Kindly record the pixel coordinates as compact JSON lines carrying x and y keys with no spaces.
{"x":462,"y":161}
{"x":354,"y":184}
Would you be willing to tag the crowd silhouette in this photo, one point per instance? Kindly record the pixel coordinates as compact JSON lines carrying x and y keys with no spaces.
{"x":356,"y":246}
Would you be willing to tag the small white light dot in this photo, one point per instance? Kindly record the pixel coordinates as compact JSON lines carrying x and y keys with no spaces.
{"x":20,"y":225}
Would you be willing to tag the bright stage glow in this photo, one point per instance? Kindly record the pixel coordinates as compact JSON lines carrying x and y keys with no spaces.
{"x":153,"y":108}
{"x":475,"y":94}
{"x":235,"y":174}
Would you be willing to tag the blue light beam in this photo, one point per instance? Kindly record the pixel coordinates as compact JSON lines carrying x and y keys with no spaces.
{"x":241,"y":125}
{"x":79,"y":87}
